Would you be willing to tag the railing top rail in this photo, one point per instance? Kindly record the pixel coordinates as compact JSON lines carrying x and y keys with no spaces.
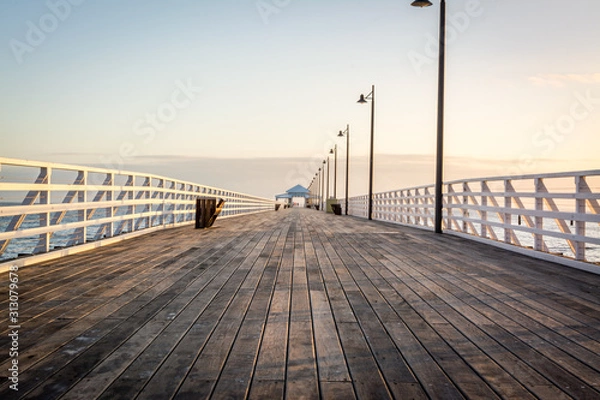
{"x":70,"y":167}
{"x":402,"y":190}
{"x":592,"y":172}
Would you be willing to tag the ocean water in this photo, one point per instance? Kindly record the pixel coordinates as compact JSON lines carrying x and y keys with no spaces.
{"x":26,"y":246}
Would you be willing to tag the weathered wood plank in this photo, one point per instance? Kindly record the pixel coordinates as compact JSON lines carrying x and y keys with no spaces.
{"x":301,"y":377}
{"x":267,"y":390}
{"x":366,"y":375}
{"x":330,"y":357}
{"x":337,"y":390}
{"x":272,"y":356}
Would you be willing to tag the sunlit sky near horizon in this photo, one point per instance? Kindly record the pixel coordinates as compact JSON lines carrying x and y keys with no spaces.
{"x":116,"y":82}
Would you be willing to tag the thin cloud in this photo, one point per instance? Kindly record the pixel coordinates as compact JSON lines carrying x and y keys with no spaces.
{"x":563,"y":80}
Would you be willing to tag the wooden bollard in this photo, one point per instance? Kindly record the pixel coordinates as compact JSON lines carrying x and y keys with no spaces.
{"x":205,"y":210}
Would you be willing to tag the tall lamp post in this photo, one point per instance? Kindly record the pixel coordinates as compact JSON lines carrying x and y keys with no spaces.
{"x":334,"y":152}
{"x":347,"y":134}
{"x":328,"y":185}
{"x":323,"y":186}
{"x":314,"y":191}
{"x":318,"y":175}
{"x":310,"y":195}
{"x":363,"y":99}
{"x":439,"y":159}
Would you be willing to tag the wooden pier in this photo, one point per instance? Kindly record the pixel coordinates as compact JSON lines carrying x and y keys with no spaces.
{"x":297,"y":304}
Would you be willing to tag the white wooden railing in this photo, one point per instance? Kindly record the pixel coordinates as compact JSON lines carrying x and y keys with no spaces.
{"x":550,"y":216}
{"x":49,"y":208}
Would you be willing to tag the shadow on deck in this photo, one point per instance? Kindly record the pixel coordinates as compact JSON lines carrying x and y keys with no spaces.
{"x":298,"y":304}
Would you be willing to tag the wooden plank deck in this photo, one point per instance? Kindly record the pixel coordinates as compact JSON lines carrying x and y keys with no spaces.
{"x":297,"y":304}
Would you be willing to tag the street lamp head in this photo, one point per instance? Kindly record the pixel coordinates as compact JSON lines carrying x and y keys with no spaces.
{"x":331,"y":151}
{"x":324,"y":162}
{"x":341,"y":134}
{"x":362,"y":99}
{"x":421,"y":3}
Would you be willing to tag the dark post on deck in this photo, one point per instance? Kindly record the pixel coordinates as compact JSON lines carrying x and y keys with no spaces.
{"x":207,"y":211}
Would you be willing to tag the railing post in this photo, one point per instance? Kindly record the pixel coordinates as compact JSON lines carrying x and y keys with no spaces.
{"x":426,"y":210}
{"x":45,"y":198}
{"x":398,"y":208}
{"x":401,"y":206}
{"x":538,"y":238}
{"x":394,"y":202}
{"x":465,"y":210}
{"x":82,"y":198}
{"x":181,"y":207}
{"x":161,"y":206}
{"x":146,"y":196}
{"x":374,"y":206}
{"x":171,"y":207}
{"x":449,"y":209}
{"x":131,"y":196}
{"x":110,"y":196}
{"x":581,"y":187}
{"x":407,"y":206}
{"x":176,"y":197}
{"x":425,"y":202}
{"x":484,"y":203}
{"x":418,"y":209}
{"x":508,"y":188}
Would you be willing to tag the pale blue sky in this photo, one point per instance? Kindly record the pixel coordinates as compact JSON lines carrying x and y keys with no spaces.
{"x":282,"y":84}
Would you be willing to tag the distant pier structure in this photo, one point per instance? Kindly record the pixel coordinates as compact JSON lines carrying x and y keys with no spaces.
{"x":298,"y":196}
